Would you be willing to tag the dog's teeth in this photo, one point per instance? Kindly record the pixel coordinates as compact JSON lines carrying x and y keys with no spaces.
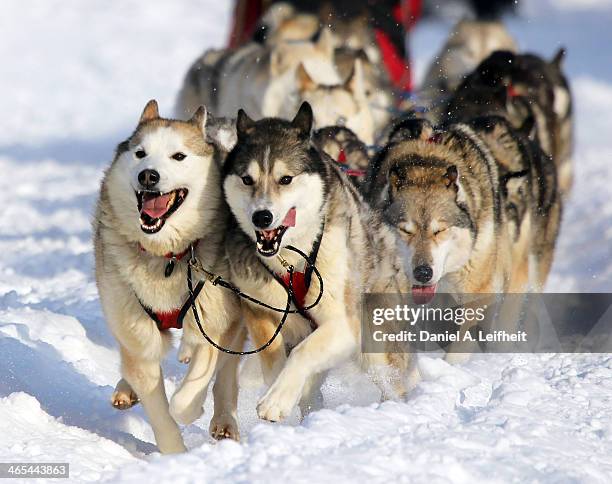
{"x":171,"y":199}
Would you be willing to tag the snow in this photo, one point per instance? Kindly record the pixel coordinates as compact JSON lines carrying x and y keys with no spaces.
{"x":76,"y":75}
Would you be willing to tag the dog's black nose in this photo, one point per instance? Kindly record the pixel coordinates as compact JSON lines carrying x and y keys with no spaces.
{"x":148,"y":178}
{"x":262,"y":219}
{"x":423,"y":273}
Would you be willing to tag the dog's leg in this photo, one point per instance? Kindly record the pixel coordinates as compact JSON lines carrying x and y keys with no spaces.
{"x":123,"y":396}
{"x":145,"y":377}
{"x":332,"y":342}
{"x":224,"y":424}
{"x":261,"y":327}
{"x":185,"y":352}
{"x":312,"y":398}
{"x":186,"y":403}
{"x":395,"y":374}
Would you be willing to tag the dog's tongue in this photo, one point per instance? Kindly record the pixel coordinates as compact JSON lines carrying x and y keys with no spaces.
{"x":423,"y":294}
{"x":155,"y":206}
{"x":289,"y":220}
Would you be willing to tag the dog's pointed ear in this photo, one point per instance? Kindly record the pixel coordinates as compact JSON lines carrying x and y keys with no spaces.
{"x":221,"y":132}
{"x":397,"y":176}
{"x":451,"y":175}
{"x":397,"y":179}
{"x":303,"y":120}
{"x":558,"y":58}
{"x":244,"y":124}
{"x":326,"y":42}
{"x":150,"y":111}
{"x":199,"y":118}
{"x":355,"y":82}
{"x":304,"y":81}
{"x":452,"y":181}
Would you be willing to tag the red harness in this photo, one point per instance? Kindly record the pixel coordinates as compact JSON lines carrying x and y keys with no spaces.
{"x":435,"y":138}
{"x":298,"y":284}
{"x":300,"y":281}
{"x":512,"y":92}
{"x":169,"y":319}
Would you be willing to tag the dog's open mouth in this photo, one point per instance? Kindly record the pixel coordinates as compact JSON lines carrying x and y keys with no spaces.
{"x":156,"y":207}
{"x":268,"y":241}
{"x":423,"y":294}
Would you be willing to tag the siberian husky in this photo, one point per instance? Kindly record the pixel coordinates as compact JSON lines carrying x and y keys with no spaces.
{"x":160,"y":200}
{"x":531,"y":198}
{"x":283,"y":192}
{"x":476,"y":204}
{"x":343,"y":104}
{"x":441,"y":191}
{"x":469,"y":43}
{"x":518,"y":86}
{"x":258,"y":78}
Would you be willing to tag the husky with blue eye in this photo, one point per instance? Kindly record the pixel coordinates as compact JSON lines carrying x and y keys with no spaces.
{"x":160,"y":201}
{"x":283,"y":192}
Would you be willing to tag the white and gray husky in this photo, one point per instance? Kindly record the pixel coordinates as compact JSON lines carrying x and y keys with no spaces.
{"x":284,"y":192}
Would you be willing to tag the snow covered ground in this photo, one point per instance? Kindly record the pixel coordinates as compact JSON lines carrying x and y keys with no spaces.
{"x":75,"y":77}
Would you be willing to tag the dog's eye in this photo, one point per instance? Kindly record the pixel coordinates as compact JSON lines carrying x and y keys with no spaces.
{"x":247,"y":180}
{"x":179,"y":156}
{"x":285,"y":180}
{"x":406,"y":231}
{"x":140,"y":154}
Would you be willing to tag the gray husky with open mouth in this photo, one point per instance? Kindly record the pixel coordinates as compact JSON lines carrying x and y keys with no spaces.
{"x":284,"y":192}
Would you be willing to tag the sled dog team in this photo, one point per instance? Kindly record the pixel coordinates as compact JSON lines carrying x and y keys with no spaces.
{"x":466,"y":198}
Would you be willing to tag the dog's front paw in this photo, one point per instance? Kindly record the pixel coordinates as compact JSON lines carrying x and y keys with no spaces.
{"x":278,"y":402}
{"x":124,"y":397}
{"x":184,"y":410}
{"x":185,"y":352}
{"x":224,"y":427}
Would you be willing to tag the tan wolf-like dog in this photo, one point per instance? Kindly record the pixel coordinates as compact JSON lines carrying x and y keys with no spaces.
{"x":441,"y":190}
{"x":160,"y":199}
{"x":477,"y":205}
